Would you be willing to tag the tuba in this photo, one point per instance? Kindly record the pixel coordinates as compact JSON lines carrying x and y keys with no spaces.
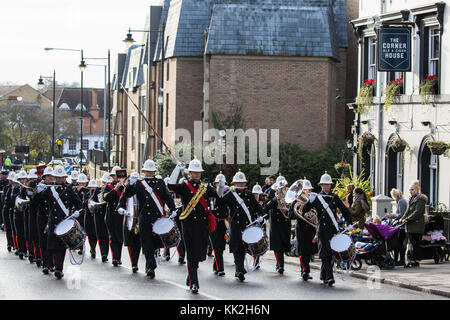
{"x":296,"y":192}
{"x":279,"y":187}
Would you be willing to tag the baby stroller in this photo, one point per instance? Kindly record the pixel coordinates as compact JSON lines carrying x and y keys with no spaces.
{"x":433,"y":242}
{"x":375,"y":250}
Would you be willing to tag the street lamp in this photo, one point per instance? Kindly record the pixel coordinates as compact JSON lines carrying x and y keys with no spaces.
{"x":82,"y":67}
{"x":40,"y":86}
{"x":12,"y":99}
{"x":108,"y":90}
{"x":129,"y":41}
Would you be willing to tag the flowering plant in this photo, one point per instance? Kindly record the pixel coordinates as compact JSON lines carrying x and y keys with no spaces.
{"x":392,"y":91}
{"x":398,"y":145}
{"x":342,"y":166}
{"x":438,"y":147}
{"x":365,"y":95}
{"x":427,"y":88}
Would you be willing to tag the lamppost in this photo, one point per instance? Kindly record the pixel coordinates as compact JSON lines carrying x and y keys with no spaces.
{"x":108,"y":91}
{"x":40,"y":86}
{"x":82,"y":67}
{"x":129,"y":41}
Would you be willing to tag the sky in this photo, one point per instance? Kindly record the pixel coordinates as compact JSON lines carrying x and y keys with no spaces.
{"x":29,"y":26}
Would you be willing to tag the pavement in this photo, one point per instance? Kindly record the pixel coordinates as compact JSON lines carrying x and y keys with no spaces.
{"x":429,"y":278}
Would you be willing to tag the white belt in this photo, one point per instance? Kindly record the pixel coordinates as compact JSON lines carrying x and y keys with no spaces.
{"x":152,"y":194}
{"x":58,"y":200}
{"x":242,"y":204}
{"x":327,"y":208}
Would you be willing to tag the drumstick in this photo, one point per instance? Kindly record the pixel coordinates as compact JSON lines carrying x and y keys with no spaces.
{"x":256,"y":220}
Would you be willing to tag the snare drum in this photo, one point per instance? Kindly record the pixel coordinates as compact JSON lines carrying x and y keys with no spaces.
{"x":255,"y":240}
{"x":342,"y":247}
{"x":70,"y":232}
{"x":168,"y":231}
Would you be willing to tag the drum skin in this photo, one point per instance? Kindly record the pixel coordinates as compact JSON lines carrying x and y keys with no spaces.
{"x":255,"y":241}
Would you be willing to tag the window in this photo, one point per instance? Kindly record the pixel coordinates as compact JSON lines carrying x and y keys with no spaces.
{"x":433,"y":51}
{"x":96,"y":144}
{"x":168,"y":70}
{"x":85,"y":145}
{"x":101,"y":144}
{"x":72,"y":144}
{"x":133,"y":132}
{"x":167,"y":110}
{"x":143,"y":106}
{"x":372,"y":64}
{"x":391,"y":76}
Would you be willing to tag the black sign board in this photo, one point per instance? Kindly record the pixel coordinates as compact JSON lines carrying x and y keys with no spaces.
{"x":394,"y":49}
{"x":22,"y":149}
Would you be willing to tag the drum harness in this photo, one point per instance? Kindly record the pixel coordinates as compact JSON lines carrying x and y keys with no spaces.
{"x":247,"y":212}
{"x":345,"y":266}
{"x":66,"y":211}
{"x":161,"y":210}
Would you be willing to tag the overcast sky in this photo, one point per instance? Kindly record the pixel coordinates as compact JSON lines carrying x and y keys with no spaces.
{"x":28,"y":26}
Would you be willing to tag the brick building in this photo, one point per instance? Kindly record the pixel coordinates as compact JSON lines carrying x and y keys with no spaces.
{"x":283,"y":61}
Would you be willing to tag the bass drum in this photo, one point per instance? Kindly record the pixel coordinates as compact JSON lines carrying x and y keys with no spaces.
{"x":255,"y":241}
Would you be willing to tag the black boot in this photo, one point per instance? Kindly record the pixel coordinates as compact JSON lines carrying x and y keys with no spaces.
{"x":134,"y":269}
{"x":45,"y":270}
{"x":38,"y":263}
{"x":150,"y":273}
{"x":104,"y":259}
{"x":59,"y":274}
{"x":240,"y":276}
{"x":194,"y":288}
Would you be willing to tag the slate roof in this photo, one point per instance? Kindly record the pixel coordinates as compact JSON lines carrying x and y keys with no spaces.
{"x":248,"y":27}
{"x":71,"y":97}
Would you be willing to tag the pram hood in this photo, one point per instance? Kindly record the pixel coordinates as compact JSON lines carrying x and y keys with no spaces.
{"x":381,"y":230}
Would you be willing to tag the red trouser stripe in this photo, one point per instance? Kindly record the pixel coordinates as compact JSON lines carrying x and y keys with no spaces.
{"x":276,"y":257}
{"x":301,"y":263}
{"x":129,"y":253}
{"x":215,"y":259}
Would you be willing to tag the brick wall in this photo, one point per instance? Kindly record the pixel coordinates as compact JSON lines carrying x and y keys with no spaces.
{"x":294,"y":94}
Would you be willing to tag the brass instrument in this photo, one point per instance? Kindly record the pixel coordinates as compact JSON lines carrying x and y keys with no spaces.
{"x":296,"y":192}
{"x":280,"y":189}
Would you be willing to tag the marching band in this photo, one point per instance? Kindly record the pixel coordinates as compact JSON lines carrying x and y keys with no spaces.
{"x":43,"y":216}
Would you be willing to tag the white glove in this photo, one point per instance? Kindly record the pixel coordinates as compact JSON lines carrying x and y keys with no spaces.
{"x":173,"y":215}
{"x":181,"y":165}
{"x":40,"y":188}
{"x":349,"y":228}
{"x":312,"y":196}
{"x":260,"y":219}
{"x":29,"y":193}
{"x":122,"y":211}
{"x":133,"y":180}
{"x":76,"y":214}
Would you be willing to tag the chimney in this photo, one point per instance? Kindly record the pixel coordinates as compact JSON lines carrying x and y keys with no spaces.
{"x":94,"y":98}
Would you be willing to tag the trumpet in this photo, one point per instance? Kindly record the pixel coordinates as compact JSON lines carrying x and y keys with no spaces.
{"x":296,"y":192}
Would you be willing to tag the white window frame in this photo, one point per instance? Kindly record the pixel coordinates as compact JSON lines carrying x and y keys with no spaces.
{"x":372,"y":59}
{"x":399,"y":181}
{"x":433,"y":58}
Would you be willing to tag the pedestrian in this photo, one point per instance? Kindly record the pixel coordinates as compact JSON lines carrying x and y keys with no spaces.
{"x":401,"y":205}
{"x":6,"y":211}
{"x":8,"y":163}
{"x":101,"y":228}
{"x":89,"y":212}
{"x":349,"y":198}
{"x":270,"y":180}
{"x":414,"y":217}
{"x":359,"y":208}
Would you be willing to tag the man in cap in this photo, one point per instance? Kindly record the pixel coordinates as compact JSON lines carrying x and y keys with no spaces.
{"x":43,"y":210}
{"x":305,"y":233}
{"x":6,"y":211}
{"x":32,"y":236}
{"x":280,"y":223}
{"x":326,"y":203}
{"x":61,"y":198}
{"x":194,"y":219}
{"x":152,"y":196}
{"x":3,"y":184}
{"x":114,"y":221}
{"x":218,"y":236}
{"x":240,"y":207}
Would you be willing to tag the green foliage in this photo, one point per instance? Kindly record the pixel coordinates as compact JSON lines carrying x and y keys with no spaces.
{"x":232,"y":119}
{"x":357,"y":180}
{"x":392,"y":92}
{"x":365,"y":95}
{"x":427,"y":88}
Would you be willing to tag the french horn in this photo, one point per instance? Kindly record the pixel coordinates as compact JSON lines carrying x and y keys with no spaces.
{"x":279,"y":187}
{"x":296,"y":192}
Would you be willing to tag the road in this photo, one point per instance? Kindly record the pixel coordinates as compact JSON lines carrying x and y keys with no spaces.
{"x":97,"y":280}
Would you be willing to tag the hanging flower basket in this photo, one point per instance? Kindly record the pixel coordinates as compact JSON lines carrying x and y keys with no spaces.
{"x":392,"y":92}
{"x":365,"y":95}
{"x":398,"y":145}
{"x":438,"y":147}
{"x":342,"y":167}
{"x":367,"y":139}
{"x":427,"y":88}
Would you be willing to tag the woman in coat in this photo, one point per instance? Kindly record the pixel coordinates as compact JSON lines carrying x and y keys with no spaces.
{"x":359,"y":207}
{"x":415,"y":221}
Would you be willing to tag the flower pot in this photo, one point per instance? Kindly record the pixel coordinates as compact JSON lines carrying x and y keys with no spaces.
{"x":438,"y":150}
{"x":399,"y":148}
